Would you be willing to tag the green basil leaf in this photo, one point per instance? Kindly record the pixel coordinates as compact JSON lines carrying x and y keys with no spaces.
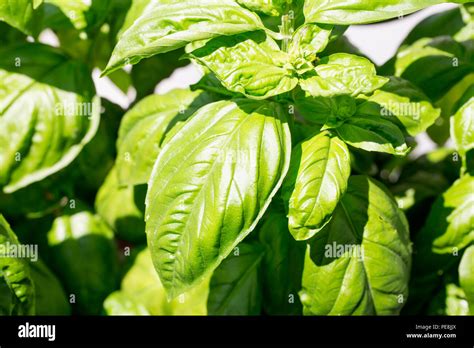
{"x":373,"y":134}
{"x":19,"y":14}
{"x":17,"y":287}
{"x":165,"y":26}
{"x":317,"y":179}
{"x":363,"y":11}
{"x":448,"y":60}
{"x":282,"y":267}
{"x":84,"y":258}
{"x":402,"y":103}
{"x":451,"y":300}
{"x":136,"y":9}
{"x":236,"y":285}
{"x":268,"y":7}
{"x":144,"y":128}
{"x":345,"y":270}
{"x":328,"y":111}
{"x":127,"y":218}
{"x":143,"y":294}
{"x":251,"y":64}
{"x":59,"y":113}
{"x":308,"y":40}
{"x":162,"y":66}
{"x":342,"y":73}
{"x":462,"y":124}
{"x":452,"y":217}
{"x":466,"y":276}
{"x":50,"y":296}
{"x":98,"y":156}
{"x":229,"y":159}
{"x":63,"y":14}
{"x":444,"y":23}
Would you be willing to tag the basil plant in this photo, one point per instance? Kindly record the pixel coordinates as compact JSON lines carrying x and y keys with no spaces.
{"x":284,"y":182}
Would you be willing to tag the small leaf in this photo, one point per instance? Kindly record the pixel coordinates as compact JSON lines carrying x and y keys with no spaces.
{"x":373,"y":134}
{"x":317,"y":179}
{"x":127,"y":218}
{"x":345,"y":270}
{"x":226,"y":162}
{"x":342,"y":73}
{"x":166,"y":25}
{"x":236,"y":285}
{"x":251,"y":64}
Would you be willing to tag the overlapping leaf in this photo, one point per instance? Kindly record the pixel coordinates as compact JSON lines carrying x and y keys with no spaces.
{"x":251,"y":64}
{"x":168,"y":25}
{"x":47,"y":113}
{"x":345,"y":271}
{"x":212,"y":182}
{"x":317,"y":179}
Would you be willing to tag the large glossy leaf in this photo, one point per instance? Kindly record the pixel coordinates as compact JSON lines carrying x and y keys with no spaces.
{"x":143,"y":294}
{"x":317,"y":179}
{"x":251,"y":64}
{"x":466,"y":276}
{"x":84,"y":258}
{"x":452,"y":217}
{"x":19,"y":13}
{"x":462,"y":123}
{"x":236,"y":285}
{"x":17,"y":288}
{"x":363,"y":11}
{"x":168,"y":25}
{"x":373,"y":134}
{"x":47,"y":113}
{"x":226,"y":162}
{"x":342,"y":73}
{"x":402,"y":103}
{"x":359,"y":264}
{"x":127,"y":218}
{"x":144,"y":128}
{"x":282,"y":267}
